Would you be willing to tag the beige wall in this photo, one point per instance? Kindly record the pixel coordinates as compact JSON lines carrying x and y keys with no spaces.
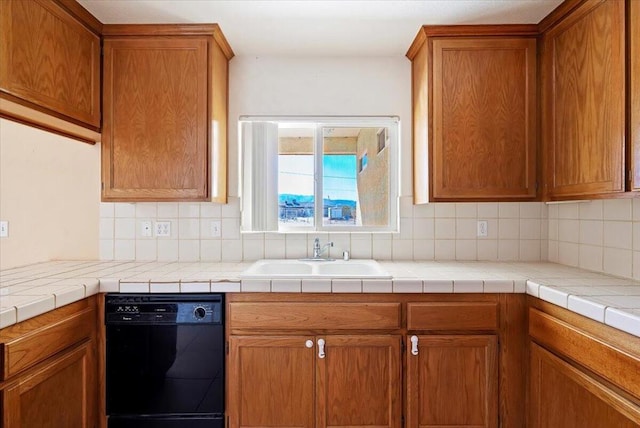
{"x":49,"y":194}
{"x":373,"y":182}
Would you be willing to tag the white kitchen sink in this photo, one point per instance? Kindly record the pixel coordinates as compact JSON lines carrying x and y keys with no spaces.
{"x":304,"y":269}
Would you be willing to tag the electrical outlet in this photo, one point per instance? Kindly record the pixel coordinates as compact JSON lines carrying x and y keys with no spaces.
{"x":145,"y":228}
{"x":215,"y":229}
{"x":4,"y":229}
{"x":483,"y":228}
{"x":163,"y":228}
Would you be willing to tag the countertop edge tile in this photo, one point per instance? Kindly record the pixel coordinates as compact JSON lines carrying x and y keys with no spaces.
{"x":69,"y":281}
{"x":622,"y":320}
{"x":8,"y":316}
{"x":586,"y":307}
{"x":553,"y":295}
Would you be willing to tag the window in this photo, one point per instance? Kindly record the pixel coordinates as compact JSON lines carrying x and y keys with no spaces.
{"x":382,"y":139}
{"x":306,"y":175}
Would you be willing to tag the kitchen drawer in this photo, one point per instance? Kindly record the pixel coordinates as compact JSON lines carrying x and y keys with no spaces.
{"x":42,"y":342}
{"x":305,"y":316}
{"x":465,"y":316}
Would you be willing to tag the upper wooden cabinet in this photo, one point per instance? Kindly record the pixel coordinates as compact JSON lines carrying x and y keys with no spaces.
{"x":474,"y":113}
{"x":50,"y":66}
{"x":583,"y":93}
{"x":165,"y":113}
{"x":634,"y":92}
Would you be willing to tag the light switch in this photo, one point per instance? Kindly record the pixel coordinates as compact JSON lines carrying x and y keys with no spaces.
{"x":145,"y":228}
{"x":4,"y":229}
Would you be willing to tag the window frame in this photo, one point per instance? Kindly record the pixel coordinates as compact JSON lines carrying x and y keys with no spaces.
{"x":392,"y":123}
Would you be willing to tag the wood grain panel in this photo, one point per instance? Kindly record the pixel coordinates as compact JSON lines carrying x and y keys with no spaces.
{"x":219,"y":107}
{"x":513,"y":357}
{"x":634,"y":93}
{"x":484,"y":118}
{"x":358,"y":382}
{"x":420,"y":76}
{"x":29,"y":349}
{"x":326,"y":316}
{"x":584,"y":101}
{"x":50,"y":61}
{"x":453,"y":381}
{"x":58,"y":394}
{"x":271,"y":382}
{"x":602,"y":358}
{"x":464,"y":316}
{"x":155,"y":136}
{"x":563,"y":396}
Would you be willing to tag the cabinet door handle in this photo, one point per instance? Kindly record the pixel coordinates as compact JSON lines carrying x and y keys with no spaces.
{"x":321,"y":348}
{"x":309,"y":343}
{"x":414,"y":345}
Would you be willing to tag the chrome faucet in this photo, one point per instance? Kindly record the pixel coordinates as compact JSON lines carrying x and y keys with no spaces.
{"x":318,"y":250}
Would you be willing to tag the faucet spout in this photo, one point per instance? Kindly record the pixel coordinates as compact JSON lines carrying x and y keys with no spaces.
{"x":318,"y":250}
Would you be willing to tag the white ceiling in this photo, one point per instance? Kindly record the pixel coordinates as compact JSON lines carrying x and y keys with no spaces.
{"x":320,"y":28}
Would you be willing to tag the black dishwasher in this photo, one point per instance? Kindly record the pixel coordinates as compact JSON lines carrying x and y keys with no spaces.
{"x":165,"y":360}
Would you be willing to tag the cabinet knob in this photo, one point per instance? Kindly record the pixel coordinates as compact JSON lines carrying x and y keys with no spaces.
{"x":414,"y":345}
{"x":321,"y":348}
{"x":309,"y":343}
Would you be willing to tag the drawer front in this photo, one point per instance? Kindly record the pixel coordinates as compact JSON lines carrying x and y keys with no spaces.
{"x":305,"y":316}
{"x":467,"y":316}
{"x":40,"y":344}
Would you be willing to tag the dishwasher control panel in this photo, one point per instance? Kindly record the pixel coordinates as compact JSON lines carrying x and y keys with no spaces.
{"x":181,"y":309}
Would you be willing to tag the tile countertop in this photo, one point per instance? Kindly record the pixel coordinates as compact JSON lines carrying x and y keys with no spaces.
{"x":35,"y":289}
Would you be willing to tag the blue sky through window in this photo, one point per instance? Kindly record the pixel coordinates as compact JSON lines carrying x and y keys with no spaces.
{"x":339,"y":180}
{"x":295,"y":176}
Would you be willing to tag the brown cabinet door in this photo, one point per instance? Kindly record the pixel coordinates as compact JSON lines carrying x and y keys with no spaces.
{"x":634,"y":91}
{"x":563,"y":396}
{"x":60,"y":393}
{"x":358,"y":382}
{"x":155,"y":142}
{"x":271,"y":381}
{"x":584,"y":101}
{"x":452,"y":381}
{"x":484,"y":119}
{"x":49,"y":60}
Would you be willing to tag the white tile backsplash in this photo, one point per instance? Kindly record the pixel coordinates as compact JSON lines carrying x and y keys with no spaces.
{"x":146,"y":210}
{"x":607,"y":233}
{"x":125,"y":210}
{"x":618,"y":209}
{"x":442,"y":231}
{"x":445,"y":210}
{"x":618,"y":234}
{"x":125,"y":228}
{"x":445,"y":228}
{"x":509,"y":210}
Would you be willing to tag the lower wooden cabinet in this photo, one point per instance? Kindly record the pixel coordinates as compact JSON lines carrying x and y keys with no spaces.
{"x":564,"y":396}
{"x":345,"y":381}
{"x":273,"y":381}
{"x":49,"y":376}
{"x":58,"y":394}
{"x":452,"y":381}
{"x":582,"y":373}
{"x":358,"y":381}
{"x":304,"y":360}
